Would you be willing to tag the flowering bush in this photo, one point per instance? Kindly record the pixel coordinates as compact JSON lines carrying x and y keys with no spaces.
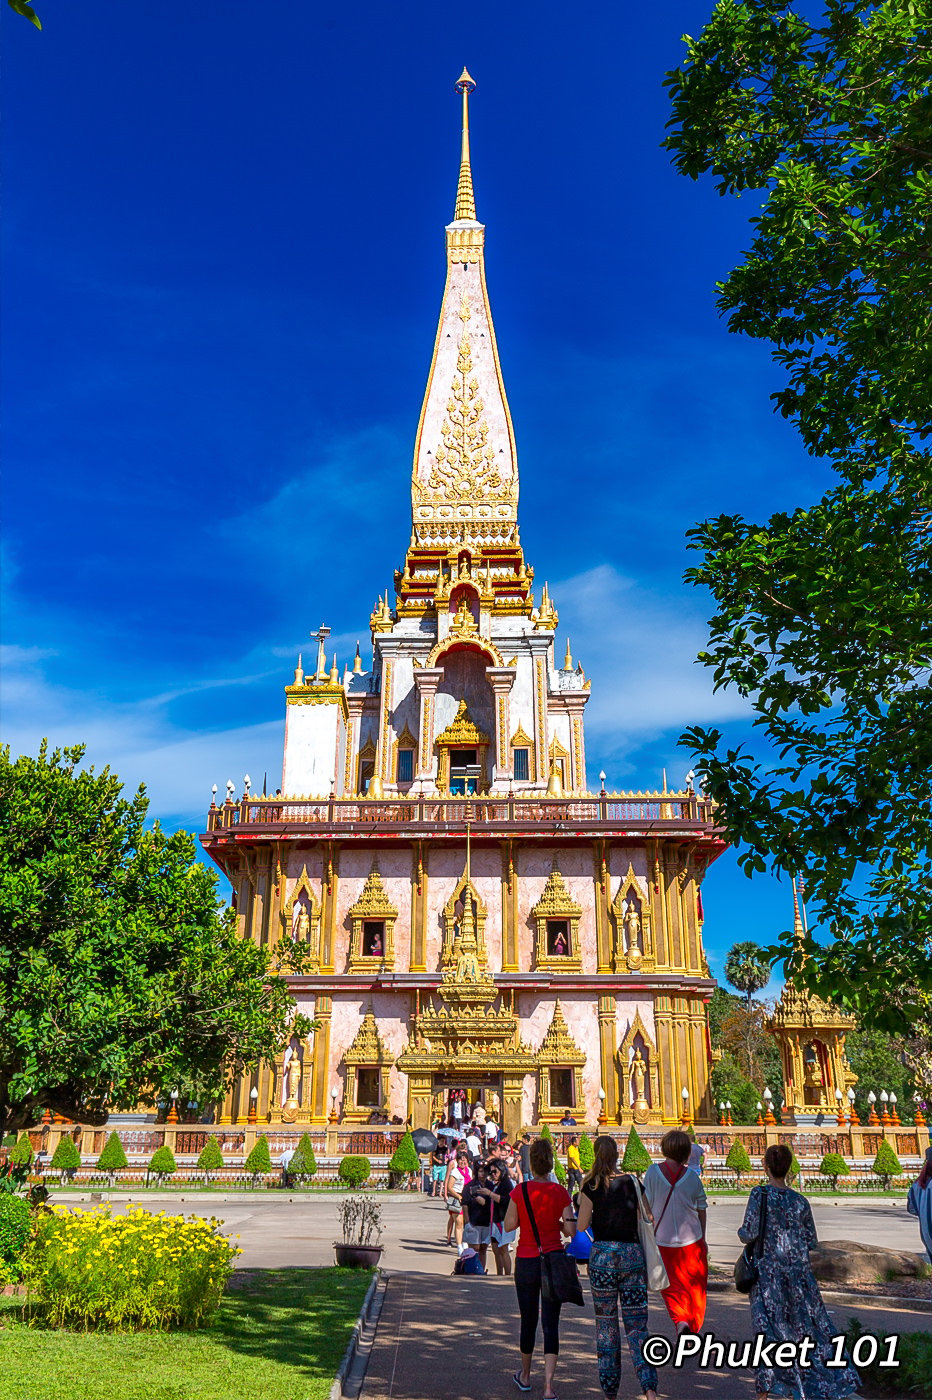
{"x":127,"y":1273}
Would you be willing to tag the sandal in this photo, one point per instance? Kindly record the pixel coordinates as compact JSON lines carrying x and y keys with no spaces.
{"x":519,"y":1382}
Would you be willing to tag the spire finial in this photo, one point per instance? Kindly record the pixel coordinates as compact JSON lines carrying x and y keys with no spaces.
{"x":568,"y":658}
{"x":797,"y":917}
{"x":465,"y":199}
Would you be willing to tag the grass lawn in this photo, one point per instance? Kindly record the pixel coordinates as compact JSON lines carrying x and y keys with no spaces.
{"x":279,"y":1335}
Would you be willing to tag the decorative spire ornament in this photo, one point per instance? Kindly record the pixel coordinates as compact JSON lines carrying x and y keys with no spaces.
{"x":465,"y":198}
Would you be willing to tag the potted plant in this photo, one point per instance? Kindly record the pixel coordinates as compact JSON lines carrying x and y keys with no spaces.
{"x":361,"y":1223}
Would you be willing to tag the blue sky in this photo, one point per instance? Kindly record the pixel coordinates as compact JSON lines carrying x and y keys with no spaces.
{"x":223,"y":267}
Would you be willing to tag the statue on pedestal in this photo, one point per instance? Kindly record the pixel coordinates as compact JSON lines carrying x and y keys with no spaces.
{"x":632,"y":923}
{"x":302,"y":925}
{"x":641,"y":1107}
{"x":292,"y":1085}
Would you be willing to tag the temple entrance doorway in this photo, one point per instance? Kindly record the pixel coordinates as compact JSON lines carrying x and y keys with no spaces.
{"x":456,"y":1097}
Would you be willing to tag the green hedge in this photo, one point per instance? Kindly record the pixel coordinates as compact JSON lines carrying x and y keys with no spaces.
{"x":15,"y":1228}
{"x":259,"y":1160}
{"x":354,"y":1170}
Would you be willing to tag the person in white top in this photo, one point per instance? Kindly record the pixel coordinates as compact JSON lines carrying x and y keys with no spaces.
{"x":678,"y":1204}
{"x":473,"y":1143}
{"x":491,"y":1131}
{"x":696,"y":1155}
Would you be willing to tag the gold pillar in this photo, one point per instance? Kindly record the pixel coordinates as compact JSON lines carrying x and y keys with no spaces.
{"x":320,"y":1068}
{"x":426,"y":682}
{"x":329,"y":887}
{"x":512,"y":1104}
{"x":608,"y":1055}
{"x":384,"y":749}
{"x":663,"y":1022}
{"x":658,"y":920}
{"x":418,"y":935}
{"x":509,"y":908}
{"x":603,"y":924}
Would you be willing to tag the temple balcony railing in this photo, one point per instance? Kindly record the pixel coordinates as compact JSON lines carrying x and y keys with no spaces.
{"x":494,"y":814}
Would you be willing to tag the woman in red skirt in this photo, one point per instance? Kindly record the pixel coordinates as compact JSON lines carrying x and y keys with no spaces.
{"x":678,"y":1204}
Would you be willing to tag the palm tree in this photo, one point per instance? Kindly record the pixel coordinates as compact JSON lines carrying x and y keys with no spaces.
{"x":747,"y":968}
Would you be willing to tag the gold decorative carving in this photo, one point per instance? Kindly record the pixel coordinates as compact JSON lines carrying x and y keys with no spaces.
{"x":634,"y":945}
{"x":557,"y":905}
{"x":374,"y":905}
{"x":462,"y":638}
{"x":558,"y":1051}
{"x":640,"y":1084}
{"x":301,"y":918}
{"x":367,"y":1051}
{"x":464,"y":911}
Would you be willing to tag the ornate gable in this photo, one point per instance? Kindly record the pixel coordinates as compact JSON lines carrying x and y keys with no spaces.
{"x":556,"y":915}
{"x":372,"y":949}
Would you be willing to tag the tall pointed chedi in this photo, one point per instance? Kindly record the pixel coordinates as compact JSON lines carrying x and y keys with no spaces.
{"x":435,"y":845}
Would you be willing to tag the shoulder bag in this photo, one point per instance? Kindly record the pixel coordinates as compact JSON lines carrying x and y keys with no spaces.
{"x":747,"y":1268}
{"x":559,"y":1276}
{"x":657,"y":1279}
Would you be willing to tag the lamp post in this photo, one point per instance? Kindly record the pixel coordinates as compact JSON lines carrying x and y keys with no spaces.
{"x":602,"y":781}
{"x":728,"y":1111}
{"x":894,"y":1116}
{"x":172,"y":1116}
{"x":872,"y":1118}
{"x":333,"y":1105}
{"x":919,"y":1117}
{"x":253,"y":1116}
{"x":684,"y":1116}
{"x":884,"y":1112}
{"x":721,"y":1113}
{"x":768,"y":1116}
{"x":602,"y":1118}
{"x":760,"y":1121}
{"x":853,"y":1118}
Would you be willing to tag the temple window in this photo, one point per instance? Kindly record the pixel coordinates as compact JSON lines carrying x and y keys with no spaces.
{"x":464,"y":772}
{"x":562,"y":1086}
{"x":367,"y":1086}
{"x":522,"y":766}
{"x":405,"y":765}
{"x":373,"y":938}
{"x":366,"y":771}
{"x":558,"y":938}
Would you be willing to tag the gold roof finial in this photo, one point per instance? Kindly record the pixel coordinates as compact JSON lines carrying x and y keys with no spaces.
{"x":357,"y":662}
{"x":465,"y":199}
{"x":568,"y":658}
{"x":797,"y":917}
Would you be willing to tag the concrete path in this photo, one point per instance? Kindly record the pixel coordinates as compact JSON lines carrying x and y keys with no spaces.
{"x":456,"y":1339}
{"x":276,"y":1230}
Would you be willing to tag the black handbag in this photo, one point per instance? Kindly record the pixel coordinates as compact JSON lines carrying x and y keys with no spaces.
{"x":559,"y":1276}
{"x":747,"y":1267}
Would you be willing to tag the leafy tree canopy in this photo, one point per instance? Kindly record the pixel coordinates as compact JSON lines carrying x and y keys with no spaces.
{"x":210,"y":1158}
{"x":738,"y":1159}
{"x":822,"y":613}
{"x":259,"y":1160}
{"x":121,"y":976}
{"x":636,"y":1157}
{"x":113,"y":1158}
{"x":304,"y":1163}
{"x":404,"y":1158}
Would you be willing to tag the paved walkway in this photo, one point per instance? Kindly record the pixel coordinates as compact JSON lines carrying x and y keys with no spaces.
{"x":456,"y":1340}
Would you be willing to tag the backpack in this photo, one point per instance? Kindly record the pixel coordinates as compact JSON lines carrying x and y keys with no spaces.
{"x":468,"y":1263}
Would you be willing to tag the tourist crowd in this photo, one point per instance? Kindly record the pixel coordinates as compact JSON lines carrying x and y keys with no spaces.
{"x":634,"y":1239}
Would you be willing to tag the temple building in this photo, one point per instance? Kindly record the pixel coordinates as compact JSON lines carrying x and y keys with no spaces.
{"x":480,"y":924}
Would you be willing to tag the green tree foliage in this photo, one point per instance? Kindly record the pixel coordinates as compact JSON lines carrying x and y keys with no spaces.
{"x":354,"y":1170}
{"x":404,"y":1158}
{"x":559,"y":1170}
{"x":66,"y":1158}
{"x":886,"y":1164}
{"x":22,"y":7}
{"x":15,"y":1229}
{"x":259,"y":1161}
{"x":546,"y":1133}
{"x":124,"y":976}
{"x":834,"y":1165}
{"x":304,"y":1163}
{"x":210,"y":1158}
{"x":586,"y":1152}
{"x":163,"y":1163}
{"x":822,"y":617}
{"x":636,"y":1157}
{"x":738,"y":1159}
{"x":747,"y":967}
{"x":729,"y":1085}
{"x":113,"y":1159}
{"x":22,"y":1154}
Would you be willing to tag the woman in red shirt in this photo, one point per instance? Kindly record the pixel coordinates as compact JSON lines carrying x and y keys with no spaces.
{"x":553,"y":1215}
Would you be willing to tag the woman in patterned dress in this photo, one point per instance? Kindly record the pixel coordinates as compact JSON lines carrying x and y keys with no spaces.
{"x":786,"y":1305}
{"x":608,"y":1203}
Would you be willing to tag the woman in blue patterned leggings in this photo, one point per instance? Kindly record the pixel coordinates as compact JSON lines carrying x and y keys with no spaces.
{"x":608,"y":1205}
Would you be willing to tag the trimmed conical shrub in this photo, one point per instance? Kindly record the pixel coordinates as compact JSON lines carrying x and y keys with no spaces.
{"x":303,"y":1163}
{"x":738,"y":1159}
{"x":636,"y":1157}
{"x":259,"y":1161}
{"x":404,"y":1158}
{"x":559,"y":1170}
{"x":113,"y":1158}
{"x":210,"y":1158}
{"x":834,"y":1165}
{"x":163,"y":1163}
{"x":66,"y":1157}
{"x":886,"y":1164}
{"x":586,"y":1152}
{"x":22,"y":1154}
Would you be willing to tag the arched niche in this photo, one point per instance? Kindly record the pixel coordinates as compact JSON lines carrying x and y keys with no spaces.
{"x":301,"y":918}
{"x":452,"y":917}
{"x":634,"y":946}
{"x":638,"y":1067}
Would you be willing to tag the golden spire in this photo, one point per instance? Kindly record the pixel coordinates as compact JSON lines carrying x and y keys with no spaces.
{"x":797,"y":917}
{"x":568,"y":658}
{"x":357,"y":662}
{"x":465,"y":199}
